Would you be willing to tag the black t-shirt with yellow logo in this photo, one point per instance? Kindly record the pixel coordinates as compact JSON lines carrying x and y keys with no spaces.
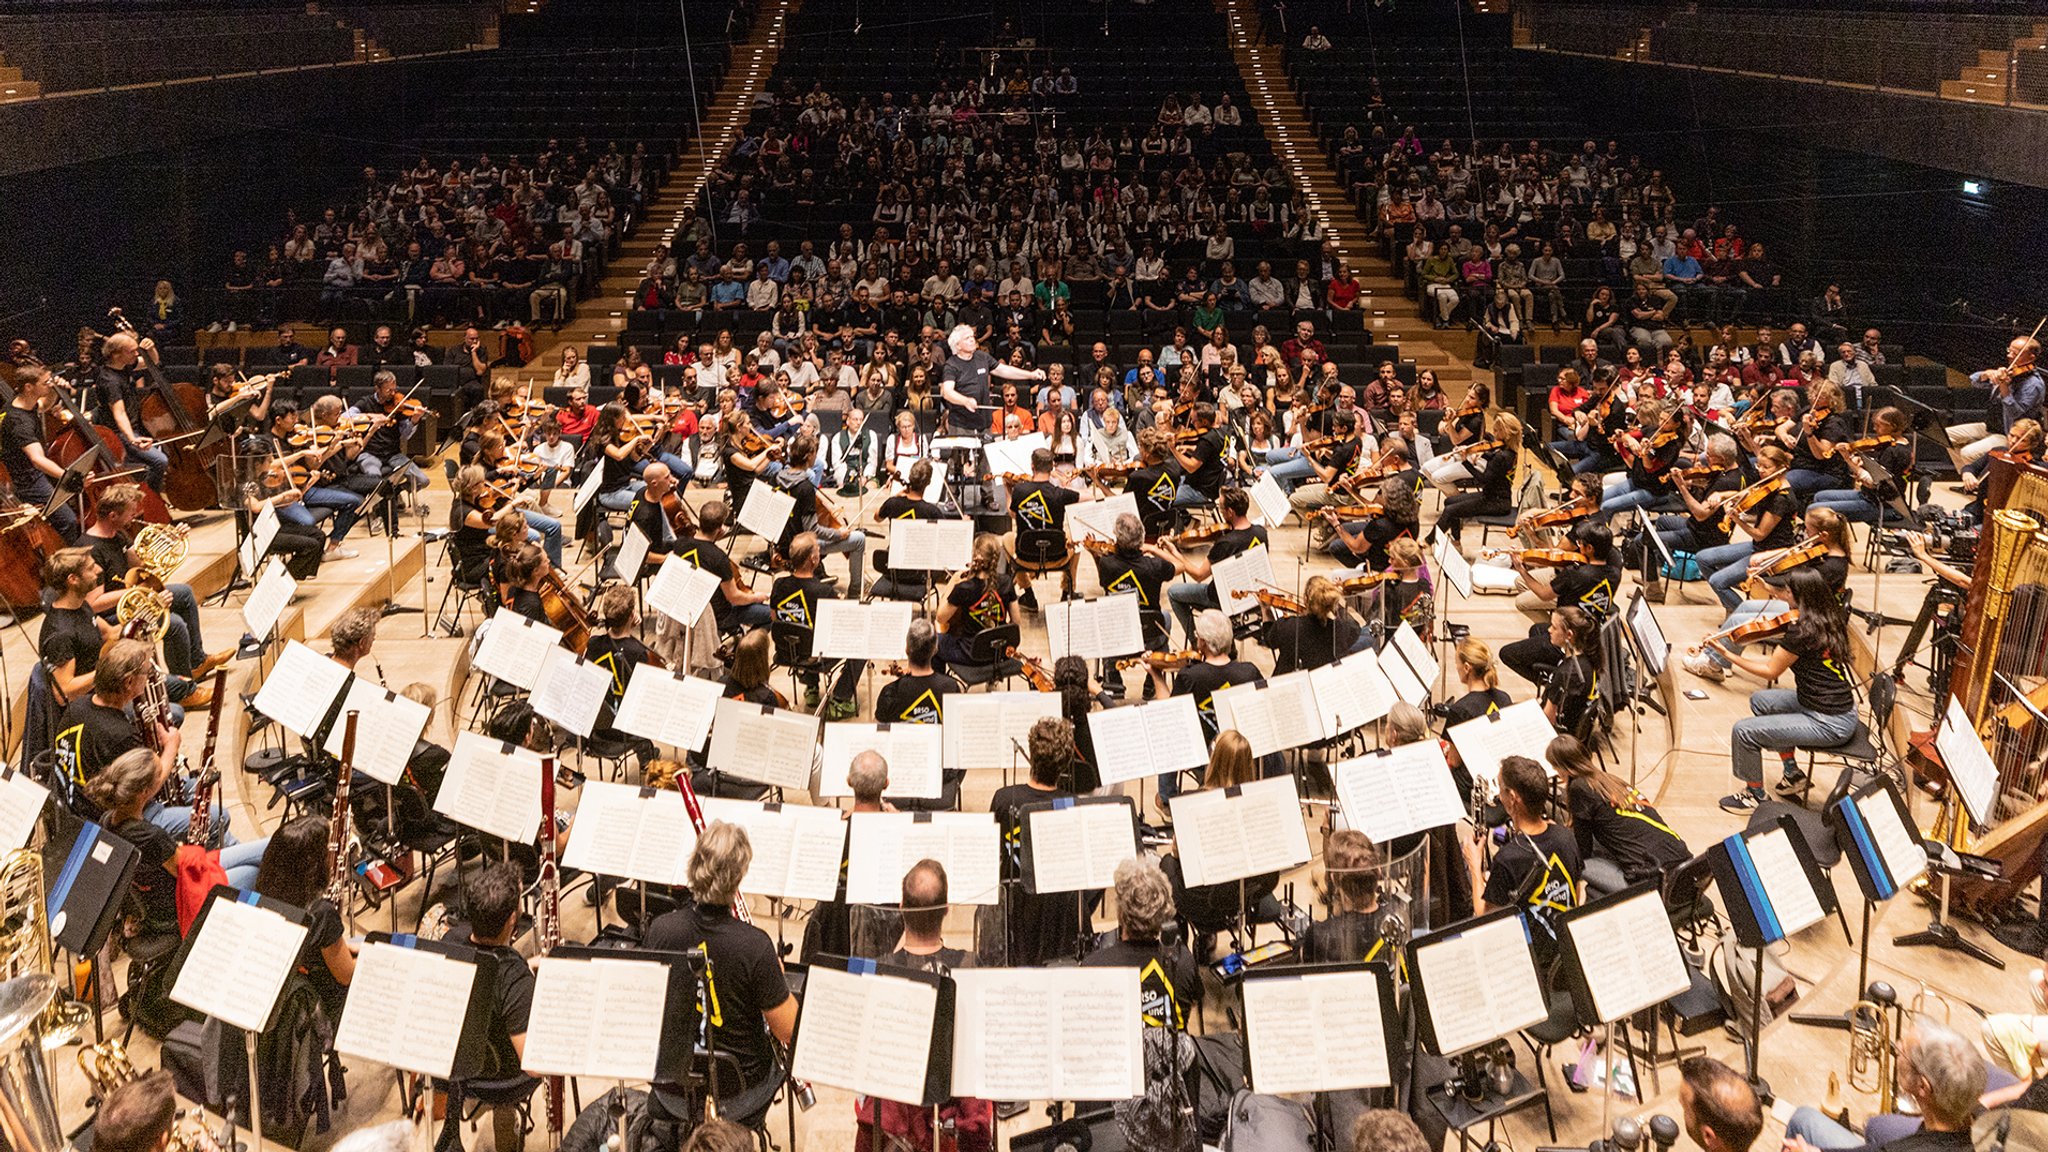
{"x":982,"y":604}
{"x":1539,"y":873}
{"x":1203,"y":681}
{"x":914,"y":699}
{"x":1041,"y":505}
{"x":1154,"y":487}
{"x":794,"y":599}
{"x":1139,"y":572}
{"x":1589,"y":586}
{"x":708,"y":556}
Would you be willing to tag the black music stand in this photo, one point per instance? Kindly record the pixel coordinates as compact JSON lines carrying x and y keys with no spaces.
{"x":1847,"y":820}
{"x":1962,"y":807}
{"x":1755,"y":914}
{"x":73,"y":479}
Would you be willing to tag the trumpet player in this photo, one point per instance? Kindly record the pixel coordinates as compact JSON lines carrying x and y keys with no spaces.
{"x":185,"y":653}
{"x":1942,"y":1074}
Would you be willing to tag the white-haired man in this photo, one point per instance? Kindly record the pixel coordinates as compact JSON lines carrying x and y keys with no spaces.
{"x":964,"y":383}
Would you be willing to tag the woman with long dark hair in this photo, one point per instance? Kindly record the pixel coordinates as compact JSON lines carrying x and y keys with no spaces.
{"x":1610,"y":819}
{"x":1819,"y":711}
{"x":294,"y":870}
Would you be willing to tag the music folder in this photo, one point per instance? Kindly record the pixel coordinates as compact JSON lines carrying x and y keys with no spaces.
{"x":86,"y":872}
{"x":1075,"y":843}
{"x":1875,"y":831}
{"x":618,"y":1015}
{"x":876,"y":1029}
{"x":1320,"y":1027}
{"x":233,"y":963}
{"x":1476,"y":982}
{"x":1621,"y":954}
{"x":1771,"y":886}
{"x":421,"y":1005}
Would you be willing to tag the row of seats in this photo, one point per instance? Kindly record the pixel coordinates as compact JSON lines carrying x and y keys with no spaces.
{"x":66,"y":54}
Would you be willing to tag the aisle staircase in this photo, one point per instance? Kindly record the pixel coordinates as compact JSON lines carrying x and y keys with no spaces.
{"x":601,"y":318}
{"x":1391,"y":316}
{"x":1993,"y":79}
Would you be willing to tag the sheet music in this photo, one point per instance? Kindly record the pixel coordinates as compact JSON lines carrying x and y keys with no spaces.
{"x":1351,"y":692}
{"x":21,"y":804}
{"x":912,"y":750}
{"x":930,"y":545}
{"x":514,"y":649}
{"x":1899,"y":847}
{"x":237,"y":965}
{"x":766,"y":511}
{"x":882,"y":846}
{"x":1408,"y":789}
{"x":1451,"y":564}
{"x":1480,"y":984}
{"x":1320,"y":1032}
{"x":1402,"y":677}
{"x":262,"y":534}
{"x":1247,"y":572}
{"x":406,"y":1008}
{"x":1102,"y":627}
{"x":1223,"y":837}
{"x":1409,"y":644}
{"x":1048,"y":1034}
{"x":1972,"y":768}
{"x":1077,"y":848}
{"x":492,"y":787}
{"x":268,"y":600}
{"x":571,"y":690}
{"x":587,"y":490}
{"x":867,"y":1034}
{"x":770,"y":746}
{"x":1012,"y":456}
{"x":681,"y":592}
{"x":1649,"y":635}
{"x":301,"y":687}
{"x":620,"y":832}
{"x":1516,"y":730}
{"x":668,"y":708}
{"x":1135,"y":741}
{"x":1628,"y":955}
{"x":933,"y":491}
{"x":1097,"y":518}
{"x":798,"y":848}
{"x":1269,"y":504}
{"x":1785,"y":882}
{"x":851,"y":629}
{"x":632,"y":554}
{"x":986,"y":729}
{"x":386,"y":731}
{"x":596,"y":1018}
{"x":1273,"y":715}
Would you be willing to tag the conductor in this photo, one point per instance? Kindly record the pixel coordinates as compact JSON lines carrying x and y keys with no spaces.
{"x":964,"y":383}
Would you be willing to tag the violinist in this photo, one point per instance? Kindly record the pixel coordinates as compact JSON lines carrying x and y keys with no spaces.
{"x":1497,"y":470}
{"x":793,"y":602}
{"x":1200,"y":460}
{"x":1039,"y":508}
{"x":1587,"y":585}
{"x":1409,"y":598}
{"x":746,"y":458}
{"x":1135,"y":566}
{"x":225,"y":389}
{"x":753,"y":660}
{"x":908,"y":503}
{"x":1826,"y":542}
{"x":1482,"y":696}
{"x":122,"y":358}
{"x":1816,"y":465}
{"x":1469,"y":422}
{"x":1328,"y":463}
{"x":1361,"y":544}
{"x":1042,"y":926}
{"x":505,"y":472}
{"x":615,"y":647}
{"x":1889,"y":449}
{"x":1772,"y":522}
{"x":621,"y":445}
{"x":1239,"y":536}
{"x":2016,"y":385}
{"x":1703,"y":489}
{"x":29,"y":467}
{"x":917,"y":695}
{"x":555,"y":459}
{"x":301,"y":545}
{"x":299,"y":453}
{"x":393,"y":420}
{"x":771,"y":410}
{"x":1215,"y":668}
{"x":1597,"y":422}
{"x":1818,"y":711}
{"x":1319,"y":635}
{"x":736,"y":605}
{"x":979,"y":600}
{"x":1652,"y":454}
{"x":470,"y":526}
{"x":1153,"y":481}
{"x":184,"y":650}
{"x":815,"y":514}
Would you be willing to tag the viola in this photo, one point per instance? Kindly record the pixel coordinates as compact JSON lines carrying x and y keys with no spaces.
{"x":1543,"y":557}
{"x":1032,"y":670}
{"x":1557,"y":517}
{"x":1870,"y":443}
{"x":1277,"y":601}
{"x":403,"y":408}
{"x":1204,"y":534}
{"x":1761,"y":628}
{"x":1366,"y":581}
{"x":1098,"y":545}
{"x":1356,"y":511}
{"x":1163,"y":661}
{"x":1804,"y":552}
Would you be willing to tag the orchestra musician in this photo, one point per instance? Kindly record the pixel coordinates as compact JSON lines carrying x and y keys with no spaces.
{"x":736,"y":606}
{"x":1041,"y":925}
{"x":1214,"y":667}
{"x":523,"y":570}
{"x":72,"y":633}
{"x":490,"y":902}
{"x":1132,"y":565}
{"x":120,"y":505}
{"x":754,"y":1002}
{"x":1317,"y":636}
{"x":394,"y":419}
{"x":794,"y":601}
{"x":1573,"y":685}
{"x":93,"y":731}
{"x":1824,"y":548}
{"x":1153,"y":482}
{"x":980,"y":599}
{"x":302,"y":455}
{"x":122,"y":358}
{"x":1611,"y":822}
{"x":1538,"y":867}
{"x":137,"y":1116}
{"x":1890,"y":449}
{"x":1597,"y":422}
{"x":1482,"y":696}
{"x":29,"y":467}
{"x":1333,"y":472}
{"x":1652,"y":452}
{"x":504,"y":472}
{"x":813,"y":513}
{"x":1818,"y":711}
{"x":1498,"y":470}
{"x":1038,"y":506}
{"x":1169,"y":983}
{"x":1703,"y":524}
{"x":1357,"y":903}
{"x":917,"y":695}
{"x":753,"y":659}
{"x":1239,"y":536}
{"x":1815,"y":439}
{"x":1200,"y":459}
{"x":1360,"y":544}
{"x":906,"y":504}
{"x":1771,"y":522}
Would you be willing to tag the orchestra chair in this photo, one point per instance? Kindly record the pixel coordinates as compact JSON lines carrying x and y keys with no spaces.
{"x":150,"y":957}
{"x":1529,"y":496}
{"x":682,"y":1104}
{"x":466,"y":593}
{"x":1207,"y":911}
{"x":986,"y":659}
{"x":794,"y":644}
{"x":1860,"y":752}
{"x":406,"y":822}
{"x":467,"y":1099}
{"x":1812,"y":825}
{"x":611,"y":753}
{"x":1039,"y":551}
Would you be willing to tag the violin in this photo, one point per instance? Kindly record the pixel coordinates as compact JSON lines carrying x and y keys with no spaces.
{"x":1475,"y":447}
{"x":1366,"y":581}
{"x":1277,"y":601}
{"x":1558,"y":517}
{"x":1163,"y":661}
{"x":1033,"y":671}
{"x":1869,"y":444}
{"x":1356,"y":511}
{"x":404,"y":407}
{"x":490,"y":499}
{"x":1204,"y":534}
{"x":1321,"y":443}
{"x":1098,"y":545}
{"x":1804,"y":552}
{"x":1761,"y":628}
{"x":1101,"y":472}
{"x":1543,"y":557}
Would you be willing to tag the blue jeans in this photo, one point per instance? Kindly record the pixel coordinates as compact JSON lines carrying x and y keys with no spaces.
{"x":1626,"y":496}
{"x":1292,"y":471}
{"x":1805,"y":481}
{"x":36,"y":492}
{"x":1187,"y":598}
{"x":346,"y":507}
{"x":1727,"y":566}
{"x":620,"y":499}
{"x":175,"y":820}
{"x":1821,"y":1132}
{"x":1594,"y":461}
{"x":1851,"y":503}
{"x":1188,"y":496}
{"x":1570,"y":449}
{"x":153,"y":460}
{"x":547,"y":531}
{"x":1780,"y":724}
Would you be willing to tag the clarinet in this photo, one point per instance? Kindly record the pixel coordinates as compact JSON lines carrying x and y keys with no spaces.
{"x":199,"y":828}
{"x":152,"y":716}
{"x":338,"y":828}
{"x":547,"y":919}
{"x":800,"y":1089}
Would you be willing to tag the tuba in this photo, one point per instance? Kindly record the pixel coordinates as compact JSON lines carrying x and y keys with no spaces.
{"x":28,"y":1092}
{"x":159,"y":549}
{"x":1874,"y":1045}
{"x":25,"y":941}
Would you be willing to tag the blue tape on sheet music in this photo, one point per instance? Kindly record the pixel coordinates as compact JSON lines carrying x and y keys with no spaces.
{"x":1753,"y":890}
{"x":408,"y":940}
{"x":1061,"y":803}
{"x":249,"y":898}
{"x":81,"y":851}
{"x":860,"y":966}
{"x":1866,"y":847}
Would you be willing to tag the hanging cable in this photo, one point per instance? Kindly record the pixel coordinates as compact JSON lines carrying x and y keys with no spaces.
{"x":697,"y":113}
{"x":1465,"y":63}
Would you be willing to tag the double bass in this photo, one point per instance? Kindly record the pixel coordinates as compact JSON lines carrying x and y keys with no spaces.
{"x":174,"y":415}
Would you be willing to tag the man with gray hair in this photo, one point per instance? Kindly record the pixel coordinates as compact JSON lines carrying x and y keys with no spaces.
{"x":868,"y":777}
{"x":384,"y":451}
{"x":1170,"y":983}
{"x":1940,"y":1071}
{"x":964,"y":383}
{"x":753,"y":995}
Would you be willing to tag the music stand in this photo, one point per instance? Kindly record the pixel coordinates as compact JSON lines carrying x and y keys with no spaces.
{"x":839,"y":987}
{"x":1767,"y":901}
{"x":1343,"y":1051}
{"x":1972,"y":797}
{"x":1868,"y":825}
{"x":1035,"y":823}
{"x":677,"y":1061}
{"x":73,"y":479}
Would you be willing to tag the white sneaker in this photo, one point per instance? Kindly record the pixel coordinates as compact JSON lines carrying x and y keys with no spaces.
{"x":232,"y":326}
{"x":213,"y":327}
{"x":1700,"y":665}
{"x":337,"y":552}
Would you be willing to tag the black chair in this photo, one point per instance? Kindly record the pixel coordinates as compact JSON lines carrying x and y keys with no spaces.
{"x":1041,"y":550}
{"x":793,"y":646}
{"x":988,"y":658}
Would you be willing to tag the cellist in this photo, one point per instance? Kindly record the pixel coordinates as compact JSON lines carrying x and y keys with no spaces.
{"x":29,"y":467}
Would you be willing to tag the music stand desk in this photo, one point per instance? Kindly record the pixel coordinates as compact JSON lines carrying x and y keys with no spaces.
{"x":1461,"y":1115}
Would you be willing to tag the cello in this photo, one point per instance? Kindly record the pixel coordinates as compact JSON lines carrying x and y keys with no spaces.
{"x":174,"y":415}
{"x":26,"y":542}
